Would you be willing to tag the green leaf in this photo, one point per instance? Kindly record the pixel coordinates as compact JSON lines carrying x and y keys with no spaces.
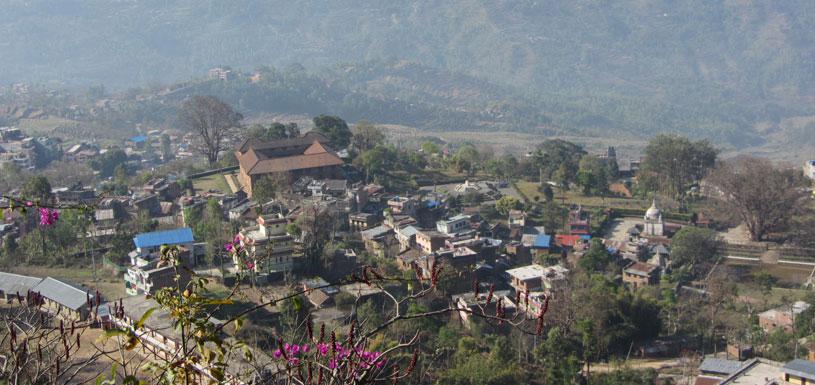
{"x":238,"y":323}
{"x":217,"y":373}
{"x":114,"y":333}
{"x":247,"y":353}
{"x":144,"y":317}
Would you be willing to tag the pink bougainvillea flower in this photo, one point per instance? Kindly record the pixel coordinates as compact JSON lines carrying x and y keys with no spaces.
{"x":228,"y":247}
{"x":322,"y":349}
{"x":277,"y":353}
{"x":29,"y":203}
{"x":48,"y":217}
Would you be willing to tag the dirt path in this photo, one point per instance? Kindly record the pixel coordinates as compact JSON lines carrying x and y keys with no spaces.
{"x":637,"y":364}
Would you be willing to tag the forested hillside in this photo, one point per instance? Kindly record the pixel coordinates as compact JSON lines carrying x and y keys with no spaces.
{"x":729,"y":70}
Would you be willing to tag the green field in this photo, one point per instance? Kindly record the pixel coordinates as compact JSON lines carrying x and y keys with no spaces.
{"x":212,"y":182}
{"x":530,"y":190}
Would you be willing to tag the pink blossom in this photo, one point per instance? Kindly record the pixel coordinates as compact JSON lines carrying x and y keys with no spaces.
{"x":48,"y":217}
{"x":29,"y":203}
{"x":277,"y":353}
{"x":228,"y":247}
{"x":322,"y":349}
{"x":305,"y":348}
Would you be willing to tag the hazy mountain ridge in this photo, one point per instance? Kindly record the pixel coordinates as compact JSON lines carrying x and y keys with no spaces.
{"x":715,"y":69}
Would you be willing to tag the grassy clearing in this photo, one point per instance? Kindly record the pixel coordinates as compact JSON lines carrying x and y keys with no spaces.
{"x":212,"y":182}
{"x":530,"y":189}
{"x":778,"y":296}
{"x":109,"y":286}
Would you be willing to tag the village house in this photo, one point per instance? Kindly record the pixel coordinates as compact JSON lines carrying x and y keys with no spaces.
{"x":221,"y":73}
{"x":13,"y":286}
{"x":572,"y":242}
{"x":809,"y":169}
{"x":148,"y":203}
{"x":469,"y":303}
{"x":380,"y":241}
{"x":453,"y":224}
{"x":149,"y":244}
{"x":165,"y":189}
{"x":81,"y":153}
{"x":362,"y":221}
{"x":579,"y":222}
{"x":76,"y":194}
{"x":65,"y":300}
{"x":542,"y":245}
{"x":318,"y":292}
{"x":406,"y":237}
{"x":799,"y":371}
{"x":328,"y":188}
{"x":781,"y":317}
{"x":147,"y":277}
{"x":430,"y":241}
{"x":518,"y":251}
{"x":640,"y":274}
{"x":307,"y":155}
{"x":403,"y":205}
{"x":271,"y":245}
{"x":459,"y":257}
{"x":536,"y":277}
{"x":517,"y":218}
{"x":361,"y":291}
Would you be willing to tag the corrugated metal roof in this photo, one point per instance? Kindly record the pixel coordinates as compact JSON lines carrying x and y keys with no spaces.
{"x":542,"y":241}
{"x":375,"y":232}
{"x":801,"y":368}
{"x":66,"y":294}
{"x":15,"y":283}
{"x":720,"y":366}
{"x":167,"y":237}
{"x":104,"y":214}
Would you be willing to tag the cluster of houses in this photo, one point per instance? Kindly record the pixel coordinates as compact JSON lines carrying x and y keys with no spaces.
{"x":65,"y":299}
{"x":24,"y":151}
{"x":512,"y":257}
{"x":143,"y":150}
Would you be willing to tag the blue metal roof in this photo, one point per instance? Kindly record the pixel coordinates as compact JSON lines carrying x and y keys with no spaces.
{"x":138,"y":139}
{"x":542,"y":241}
{"x":168,"y":237}
{"x":585,"y":237}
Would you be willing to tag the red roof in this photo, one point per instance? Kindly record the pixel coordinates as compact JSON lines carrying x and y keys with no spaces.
{"x":315,"y":155}
{"x":567,"y":240}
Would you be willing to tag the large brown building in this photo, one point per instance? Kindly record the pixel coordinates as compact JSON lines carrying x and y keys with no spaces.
{"x":307,"y":155}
